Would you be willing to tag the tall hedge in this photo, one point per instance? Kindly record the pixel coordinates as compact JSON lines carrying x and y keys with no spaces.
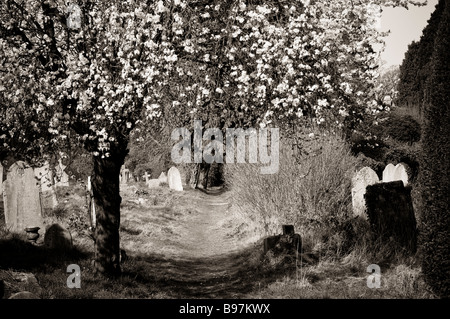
{"x":435,"y":168}
{"x":415,"y":68}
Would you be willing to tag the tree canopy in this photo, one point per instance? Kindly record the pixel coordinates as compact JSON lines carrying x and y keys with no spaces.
{"x":91,"y":71}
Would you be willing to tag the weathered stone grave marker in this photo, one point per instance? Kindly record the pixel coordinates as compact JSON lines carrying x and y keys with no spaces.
{"x":289,"y":242}
{"x":363,"y":178}
{"x":174,"y":179}
{"x":163,"y":178}
{"x":388,"y":173}
{"x":124,"y":175}
{"x":401,"y":174}
{"x":21,"y":198}
{"x":1,"y":179}
{"x":48,"y":195}
{"x":59,"y":238}
{"x":391,"y":213}
{"x":61,"y":179}
{"x":91,"y":204}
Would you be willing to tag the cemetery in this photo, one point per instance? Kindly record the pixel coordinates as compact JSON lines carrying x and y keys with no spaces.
{"x":105,"y":194}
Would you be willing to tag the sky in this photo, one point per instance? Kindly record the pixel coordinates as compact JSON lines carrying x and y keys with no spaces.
{"x":405,"y":26}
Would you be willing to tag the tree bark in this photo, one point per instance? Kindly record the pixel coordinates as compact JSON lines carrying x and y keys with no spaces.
{"x":106,"y":190}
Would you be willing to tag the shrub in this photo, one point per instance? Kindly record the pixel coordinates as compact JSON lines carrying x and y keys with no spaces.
{"x":436,"y":165}
{"x":404,"y":129}
{"x":311,"y":191}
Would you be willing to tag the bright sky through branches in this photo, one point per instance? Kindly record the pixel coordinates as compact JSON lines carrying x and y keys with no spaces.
{"x":405,"y":26}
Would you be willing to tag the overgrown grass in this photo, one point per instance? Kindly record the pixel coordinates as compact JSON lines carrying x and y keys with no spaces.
{"x":310,"y":191}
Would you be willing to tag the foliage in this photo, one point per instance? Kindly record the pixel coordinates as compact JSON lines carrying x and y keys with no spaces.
{"x":311,"y":189}
{"x":416,"y":66}
{"x":436,"y":162}
{"x":387,"y":85}
{"x":93,"y":74}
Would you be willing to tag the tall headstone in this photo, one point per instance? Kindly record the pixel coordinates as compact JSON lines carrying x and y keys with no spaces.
{"x":365,"y":177}
{"x":124,"y":175}
{"x":91,"y":204}
{"x":146,"y":177}
{"x":1,"y":179}
{"x":21,"y":198}
{"x":388,"y":173}
{"x":174,"y":179}
{"x":47,"y":190}
{"x":62,"y":179}
{"x":401,"y":174}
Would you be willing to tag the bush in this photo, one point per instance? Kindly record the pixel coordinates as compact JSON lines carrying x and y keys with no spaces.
{"x":403,"y":129}
{"x":434,"y":176}
{"x":311,"y":191}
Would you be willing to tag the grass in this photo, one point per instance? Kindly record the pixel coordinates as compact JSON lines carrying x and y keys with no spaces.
{"x":311,"y":191}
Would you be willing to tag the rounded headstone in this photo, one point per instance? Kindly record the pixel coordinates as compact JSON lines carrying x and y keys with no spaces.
{"x":174,"y":179}
{"x":363,"y":178}
{"x":57,"y":237}
{"x":388,"y":173}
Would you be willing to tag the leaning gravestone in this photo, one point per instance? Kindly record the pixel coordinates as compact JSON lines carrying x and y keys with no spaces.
{"x":57,"y":237}
{"x":388,"y":173}
{"x":45,"y":176}
{"x":391,"y":213}
{"x":162,"y":178}
{"x":21,"y":198}
{"x":174,"y":179}
{"x":366,"y":176}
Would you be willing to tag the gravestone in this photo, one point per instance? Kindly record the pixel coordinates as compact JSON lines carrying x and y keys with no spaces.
{"x":401,"y":174}
{"x":162,"y":178}
{"x":391,"y":213}
{"x":174,"y":179}
{"x":21,"y":198}
{"x":153,"y":183}
{"x":287,"y":243}
{"x":1,"y":179}
{"x":146,"y":177}
{"x":124,"y":175}
{"x":388,"y":173}
{"x":45,"y":176}
{"x":364,"y":177}
{"x":61,"y":179}
{"x":59,"y":238}
{"x":91,"y":204}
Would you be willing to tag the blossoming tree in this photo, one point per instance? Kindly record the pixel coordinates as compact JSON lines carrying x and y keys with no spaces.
{"x":95,"y":69}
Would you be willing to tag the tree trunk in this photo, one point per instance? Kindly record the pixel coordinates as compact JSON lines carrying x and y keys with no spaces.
{"x":194,"y":176}
{"x":106,"y":189}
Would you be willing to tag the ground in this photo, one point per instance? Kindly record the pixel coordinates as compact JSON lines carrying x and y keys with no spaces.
{"x":190,"y":244}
